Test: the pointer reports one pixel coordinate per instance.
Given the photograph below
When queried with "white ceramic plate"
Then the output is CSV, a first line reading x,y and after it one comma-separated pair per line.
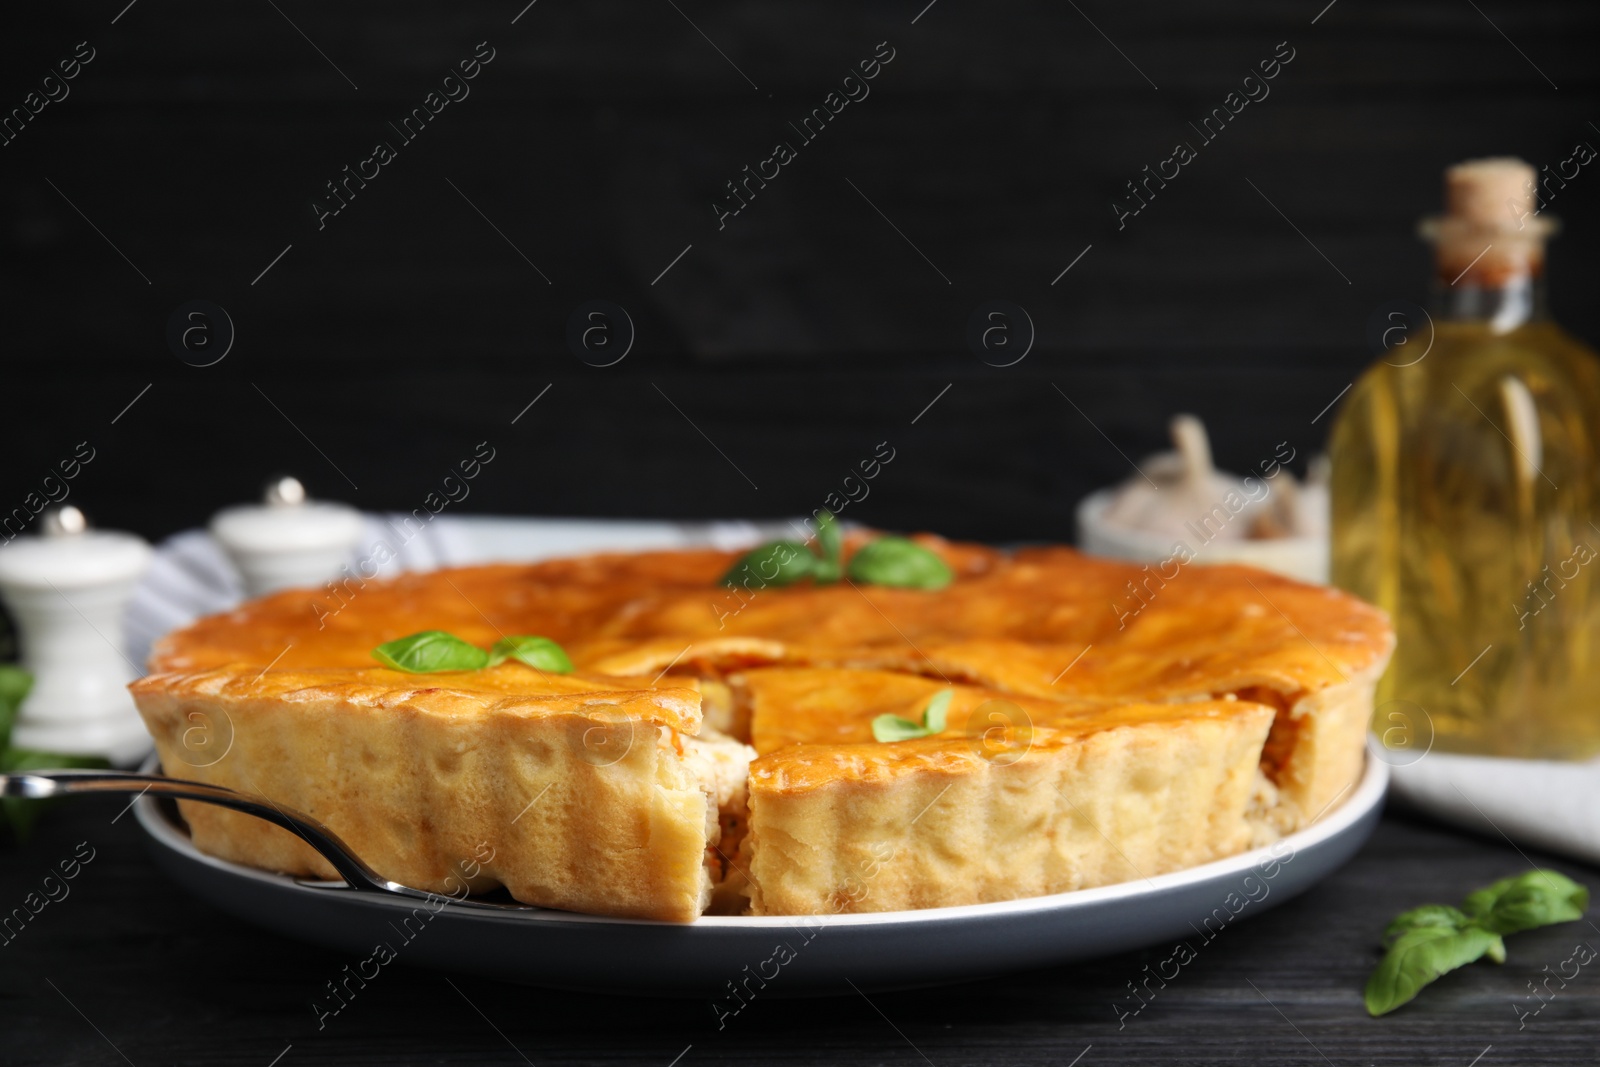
x,y
778,956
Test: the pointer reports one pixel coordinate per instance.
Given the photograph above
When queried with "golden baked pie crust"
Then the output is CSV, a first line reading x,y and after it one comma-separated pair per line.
x,y
1175,721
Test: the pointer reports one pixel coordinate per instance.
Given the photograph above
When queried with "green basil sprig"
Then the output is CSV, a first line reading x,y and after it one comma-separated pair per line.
x,y
890,561
16,812
830,541
1537,898
540,653
1433,940
894,728
774,563
429,652
434,651
900,562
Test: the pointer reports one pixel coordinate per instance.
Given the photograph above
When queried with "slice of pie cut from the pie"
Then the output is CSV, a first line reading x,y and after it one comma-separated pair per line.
x,y
575,792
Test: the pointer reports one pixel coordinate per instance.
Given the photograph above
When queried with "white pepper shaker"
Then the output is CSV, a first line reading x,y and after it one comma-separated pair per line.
x,y
67,589
287,541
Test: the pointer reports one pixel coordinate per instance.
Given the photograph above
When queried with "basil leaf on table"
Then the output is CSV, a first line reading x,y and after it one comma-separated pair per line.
x,y
1427,915
1432,940
22,814
1535,898
431,651
19,813
899,562
1421,955
14,685
540,653
774,563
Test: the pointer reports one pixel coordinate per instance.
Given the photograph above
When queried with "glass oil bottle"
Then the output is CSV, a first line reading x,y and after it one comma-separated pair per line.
x,y
1466,493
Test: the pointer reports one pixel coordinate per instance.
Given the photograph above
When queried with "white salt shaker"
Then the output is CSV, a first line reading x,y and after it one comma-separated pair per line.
x,y
287,541
67,589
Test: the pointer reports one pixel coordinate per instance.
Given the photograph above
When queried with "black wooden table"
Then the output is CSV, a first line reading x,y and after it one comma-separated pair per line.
x,y
127,968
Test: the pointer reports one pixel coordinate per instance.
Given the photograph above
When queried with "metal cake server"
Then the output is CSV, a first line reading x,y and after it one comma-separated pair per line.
x,y
358,877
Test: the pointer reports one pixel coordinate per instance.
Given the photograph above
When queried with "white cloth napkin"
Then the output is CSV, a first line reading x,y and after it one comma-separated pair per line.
x,y
1539,803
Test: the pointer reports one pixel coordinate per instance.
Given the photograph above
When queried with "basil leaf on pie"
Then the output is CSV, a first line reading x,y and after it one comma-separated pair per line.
x,y
774,563
831,541
431,651
934,714
894,728
899,562
540,653
891,561
828,537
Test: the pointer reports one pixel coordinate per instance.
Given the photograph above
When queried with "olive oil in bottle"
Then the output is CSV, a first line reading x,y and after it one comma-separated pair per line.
x,y
1466,493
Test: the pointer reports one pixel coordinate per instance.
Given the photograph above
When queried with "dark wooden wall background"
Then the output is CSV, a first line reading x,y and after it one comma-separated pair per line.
x,y
795,339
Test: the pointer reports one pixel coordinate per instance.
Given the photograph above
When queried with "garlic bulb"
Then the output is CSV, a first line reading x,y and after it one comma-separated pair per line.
x,y
1181,494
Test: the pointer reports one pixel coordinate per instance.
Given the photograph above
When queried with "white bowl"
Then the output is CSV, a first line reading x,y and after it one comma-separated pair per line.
x,y
1303,558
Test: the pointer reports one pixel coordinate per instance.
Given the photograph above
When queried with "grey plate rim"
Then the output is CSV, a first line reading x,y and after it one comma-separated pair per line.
x,y
1368,794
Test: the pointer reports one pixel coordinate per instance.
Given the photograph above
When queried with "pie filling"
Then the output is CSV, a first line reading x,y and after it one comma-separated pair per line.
x,y
721,765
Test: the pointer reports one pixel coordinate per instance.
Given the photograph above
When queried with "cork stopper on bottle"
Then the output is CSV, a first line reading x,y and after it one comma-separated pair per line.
x,y
1491,231
1490,194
